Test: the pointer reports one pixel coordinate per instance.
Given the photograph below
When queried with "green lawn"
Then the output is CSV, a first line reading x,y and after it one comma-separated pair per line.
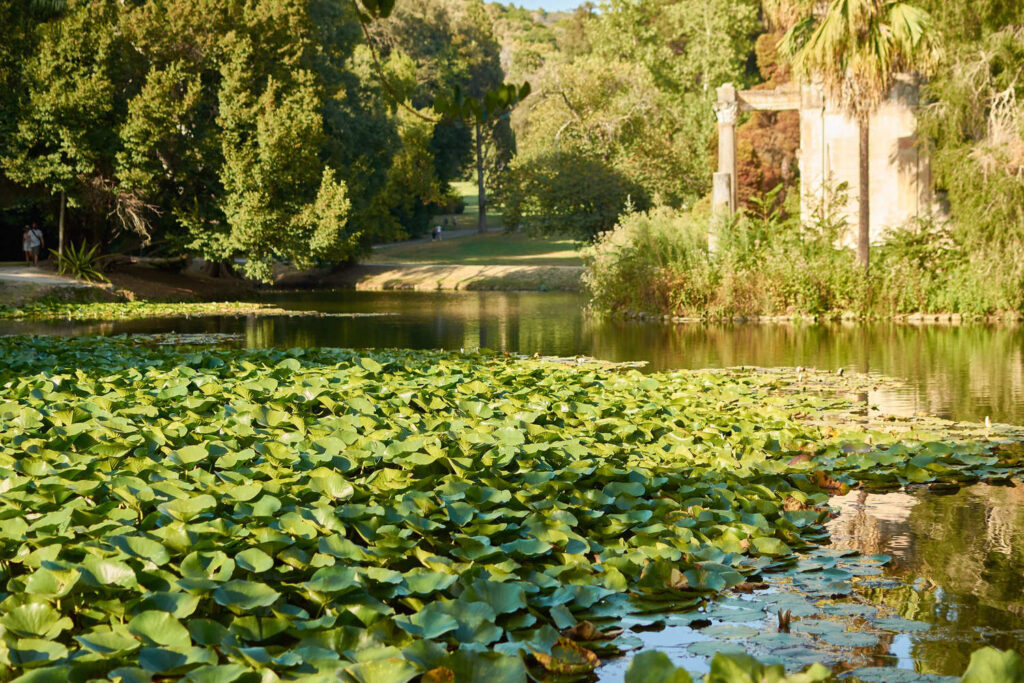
x,y
491,249
468,218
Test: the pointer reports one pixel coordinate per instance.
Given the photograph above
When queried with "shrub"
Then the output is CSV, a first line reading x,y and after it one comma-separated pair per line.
x,y
565,194
81,263
770,264
766,263
652,261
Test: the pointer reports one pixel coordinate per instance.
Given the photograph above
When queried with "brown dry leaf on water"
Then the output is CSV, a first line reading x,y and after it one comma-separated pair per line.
x,y
791,504
750,587
567,658
823,481
586,631
441,674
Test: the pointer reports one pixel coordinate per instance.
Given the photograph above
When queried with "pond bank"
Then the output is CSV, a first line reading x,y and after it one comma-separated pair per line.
x,y
828,317
129,282
454,277
142,282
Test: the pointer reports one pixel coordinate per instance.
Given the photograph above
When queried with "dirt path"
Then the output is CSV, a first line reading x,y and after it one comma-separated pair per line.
x,y
19,284
30,275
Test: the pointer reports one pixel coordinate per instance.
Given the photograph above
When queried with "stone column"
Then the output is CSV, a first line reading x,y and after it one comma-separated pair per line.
x,y
727,109
721,192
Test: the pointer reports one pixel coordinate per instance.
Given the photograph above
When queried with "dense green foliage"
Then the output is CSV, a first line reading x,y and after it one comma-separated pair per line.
x,y
228,514
226,128
769,264
631,89
434,51
268,131
546,195
975,121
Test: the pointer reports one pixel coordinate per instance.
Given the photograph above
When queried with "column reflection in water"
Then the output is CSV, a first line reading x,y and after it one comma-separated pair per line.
x,y
958,560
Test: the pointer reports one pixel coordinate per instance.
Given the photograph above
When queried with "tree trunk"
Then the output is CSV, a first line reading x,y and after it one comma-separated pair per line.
x,y
60,225
481,223
864,217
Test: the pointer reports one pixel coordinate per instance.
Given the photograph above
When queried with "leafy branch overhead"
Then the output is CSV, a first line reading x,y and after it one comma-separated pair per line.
x,y
495,104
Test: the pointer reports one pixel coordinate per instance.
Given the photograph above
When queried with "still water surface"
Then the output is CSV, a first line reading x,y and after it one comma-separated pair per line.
x,y
961,372
957,560
953,584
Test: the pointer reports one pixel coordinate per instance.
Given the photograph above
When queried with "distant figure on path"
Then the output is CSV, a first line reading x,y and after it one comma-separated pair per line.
x,y
32,241
436,233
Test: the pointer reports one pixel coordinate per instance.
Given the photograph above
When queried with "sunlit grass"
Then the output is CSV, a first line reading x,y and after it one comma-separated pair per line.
x,y
494,248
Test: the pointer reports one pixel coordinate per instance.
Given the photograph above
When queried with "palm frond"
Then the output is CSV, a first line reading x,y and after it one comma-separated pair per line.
x,y
47,8
856,49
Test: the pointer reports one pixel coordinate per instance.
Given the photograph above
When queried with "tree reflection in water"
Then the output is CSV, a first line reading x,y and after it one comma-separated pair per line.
x,y
964,372
959,562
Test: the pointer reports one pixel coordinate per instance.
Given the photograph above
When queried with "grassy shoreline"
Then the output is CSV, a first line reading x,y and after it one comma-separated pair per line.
x,y
837,317
127,310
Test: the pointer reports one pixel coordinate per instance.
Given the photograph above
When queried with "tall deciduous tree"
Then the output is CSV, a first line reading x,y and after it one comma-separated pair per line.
x,y
65,134
225,128
632,87
453,44
855,49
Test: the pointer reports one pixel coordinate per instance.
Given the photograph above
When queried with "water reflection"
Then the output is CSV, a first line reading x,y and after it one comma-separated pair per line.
x,y
958,562
967,372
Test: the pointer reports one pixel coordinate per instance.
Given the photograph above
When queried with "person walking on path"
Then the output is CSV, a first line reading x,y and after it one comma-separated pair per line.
x,y
32,241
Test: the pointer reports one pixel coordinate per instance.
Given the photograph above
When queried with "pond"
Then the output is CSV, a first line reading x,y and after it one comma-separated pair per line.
x,y
949,581
935,576
967,372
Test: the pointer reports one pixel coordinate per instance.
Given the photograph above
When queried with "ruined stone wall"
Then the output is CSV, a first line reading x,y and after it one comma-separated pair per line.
x,y
900,177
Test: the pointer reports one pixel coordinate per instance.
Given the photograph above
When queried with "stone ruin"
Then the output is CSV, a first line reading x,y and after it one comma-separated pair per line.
x,y
901,182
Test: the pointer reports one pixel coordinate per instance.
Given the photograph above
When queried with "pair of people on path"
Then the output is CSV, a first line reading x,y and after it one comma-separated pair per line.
x,y
31,242
435,234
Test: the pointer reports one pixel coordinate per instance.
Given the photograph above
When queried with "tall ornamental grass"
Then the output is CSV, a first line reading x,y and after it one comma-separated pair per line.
x,y
769,263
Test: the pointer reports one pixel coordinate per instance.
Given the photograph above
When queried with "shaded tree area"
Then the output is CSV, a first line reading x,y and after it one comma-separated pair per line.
x,y
220,128
445,47
266,130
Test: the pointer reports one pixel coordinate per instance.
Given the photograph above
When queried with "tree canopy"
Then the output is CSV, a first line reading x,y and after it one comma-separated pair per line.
x,y
304,131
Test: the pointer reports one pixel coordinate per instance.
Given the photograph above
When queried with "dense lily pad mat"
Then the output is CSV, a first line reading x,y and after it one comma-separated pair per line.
x,y
228,514
149,309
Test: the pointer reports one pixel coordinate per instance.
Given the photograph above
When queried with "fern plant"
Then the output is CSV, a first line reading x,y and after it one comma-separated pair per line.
x,y
81,263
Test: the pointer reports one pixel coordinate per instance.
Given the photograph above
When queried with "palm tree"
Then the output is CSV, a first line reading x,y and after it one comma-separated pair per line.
x,y
855,49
